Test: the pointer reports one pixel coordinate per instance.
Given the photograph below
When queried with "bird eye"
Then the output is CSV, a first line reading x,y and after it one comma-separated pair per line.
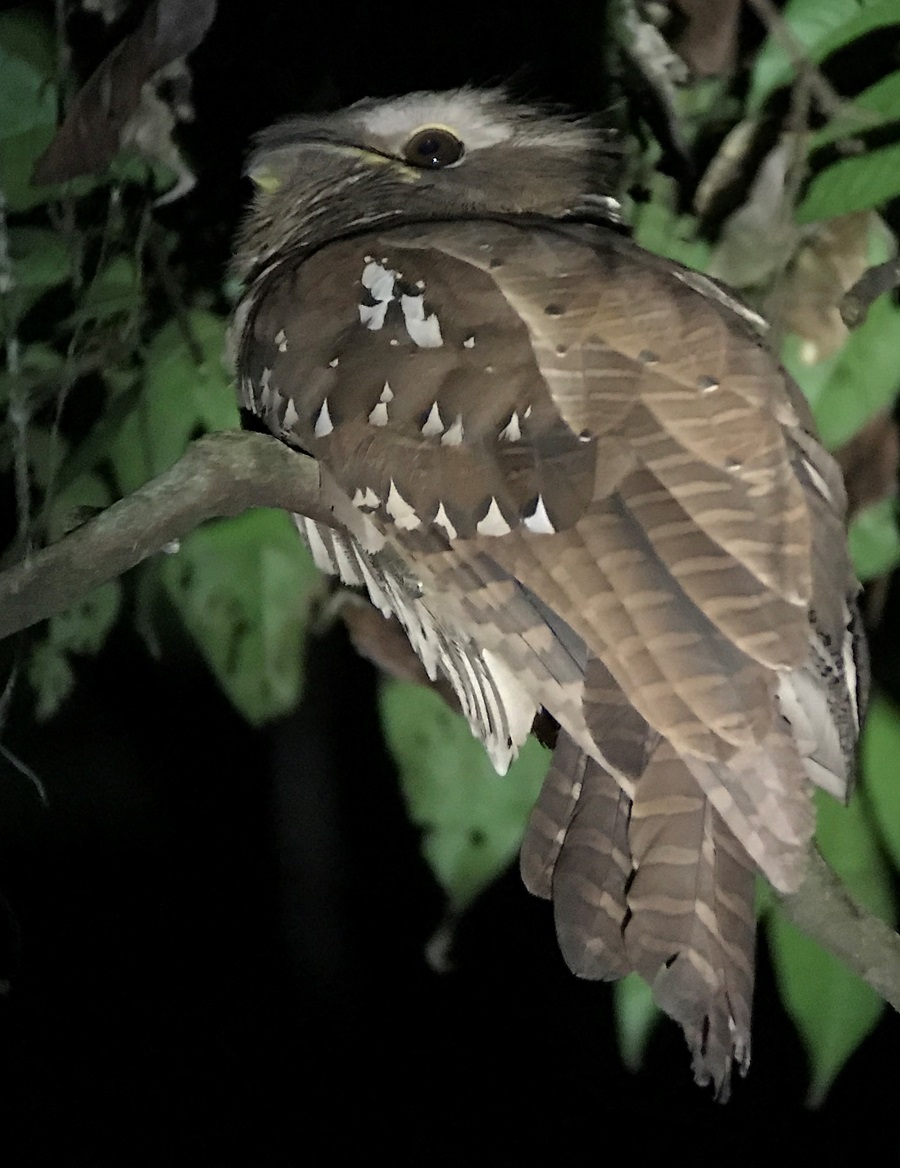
x,y
433,147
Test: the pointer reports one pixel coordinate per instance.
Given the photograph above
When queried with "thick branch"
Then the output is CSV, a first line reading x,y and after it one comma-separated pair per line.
x,y
220,474
226,473
824,910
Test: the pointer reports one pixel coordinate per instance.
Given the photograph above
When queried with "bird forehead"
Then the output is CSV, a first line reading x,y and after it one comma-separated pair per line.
x,y
460,113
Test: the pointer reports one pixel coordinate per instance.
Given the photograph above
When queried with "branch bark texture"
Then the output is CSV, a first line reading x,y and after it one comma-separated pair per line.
x,y
220,474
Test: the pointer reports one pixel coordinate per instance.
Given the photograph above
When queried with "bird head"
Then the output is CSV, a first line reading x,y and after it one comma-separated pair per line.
x,y
424,156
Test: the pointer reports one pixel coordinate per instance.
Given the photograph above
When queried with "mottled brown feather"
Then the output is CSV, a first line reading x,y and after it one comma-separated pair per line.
x,y
579,479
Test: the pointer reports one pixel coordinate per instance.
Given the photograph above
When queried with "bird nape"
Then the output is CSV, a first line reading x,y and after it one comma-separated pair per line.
x,y
577,476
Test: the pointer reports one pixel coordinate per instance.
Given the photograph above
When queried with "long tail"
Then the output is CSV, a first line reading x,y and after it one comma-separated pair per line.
x,y
659,886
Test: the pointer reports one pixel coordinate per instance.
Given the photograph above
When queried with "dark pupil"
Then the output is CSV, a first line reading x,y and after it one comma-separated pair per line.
x,y
432,148
429,148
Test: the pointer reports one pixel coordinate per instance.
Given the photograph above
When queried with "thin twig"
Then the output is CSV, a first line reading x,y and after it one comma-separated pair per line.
x,y
856,302
830,101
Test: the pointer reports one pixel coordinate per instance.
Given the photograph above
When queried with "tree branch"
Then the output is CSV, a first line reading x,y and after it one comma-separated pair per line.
x,y
824,910
220,474
228,472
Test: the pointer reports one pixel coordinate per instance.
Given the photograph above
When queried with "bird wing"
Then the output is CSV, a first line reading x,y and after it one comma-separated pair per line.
x,y
581,452
576,475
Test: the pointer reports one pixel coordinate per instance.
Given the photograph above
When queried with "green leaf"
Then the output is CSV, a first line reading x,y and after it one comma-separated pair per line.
x,y
244,587
27,104
18,154
40,366
845,391
115,290
40,258
821,27
636,1015
472,819
832,1009
875,106
853,184
84,627
875,540
880,765
660,229
50,676
180,399
27,65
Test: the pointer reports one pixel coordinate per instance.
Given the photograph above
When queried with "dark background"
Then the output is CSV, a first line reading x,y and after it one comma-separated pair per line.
x,y
214,936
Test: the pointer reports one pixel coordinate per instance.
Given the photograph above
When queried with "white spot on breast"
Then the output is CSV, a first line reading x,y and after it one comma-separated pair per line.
x,y
455,434
366,500
281,341
493,523
379,280
443,520
434,423
372,315
512,432
379,415
291,417
324,424
333,364
387,394
469,343
402,513
527,413
539,520
424,330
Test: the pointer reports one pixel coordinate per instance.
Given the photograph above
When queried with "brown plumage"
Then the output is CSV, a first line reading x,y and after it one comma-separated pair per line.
x,y
580,480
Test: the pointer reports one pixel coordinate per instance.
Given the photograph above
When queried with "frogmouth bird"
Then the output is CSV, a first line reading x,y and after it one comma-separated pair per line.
x,y
581,481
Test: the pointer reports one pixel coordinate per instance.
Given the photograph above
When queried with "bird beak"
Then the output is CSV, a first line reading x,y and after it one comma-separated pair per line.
x,y
268,175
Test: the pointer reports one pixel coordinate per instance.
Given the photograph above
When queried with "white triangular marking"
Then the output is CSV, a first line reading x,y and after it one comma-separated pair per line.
x,y
324,425
443,520
493,523
403,514
455,434
434,423
539,521
512,431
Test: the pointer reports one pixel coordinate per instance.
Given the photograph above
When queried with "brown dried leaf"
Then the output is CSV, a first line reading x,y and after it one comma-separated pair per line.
x,y
827,264
728,166
91,134
757,237
869,463
709,41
